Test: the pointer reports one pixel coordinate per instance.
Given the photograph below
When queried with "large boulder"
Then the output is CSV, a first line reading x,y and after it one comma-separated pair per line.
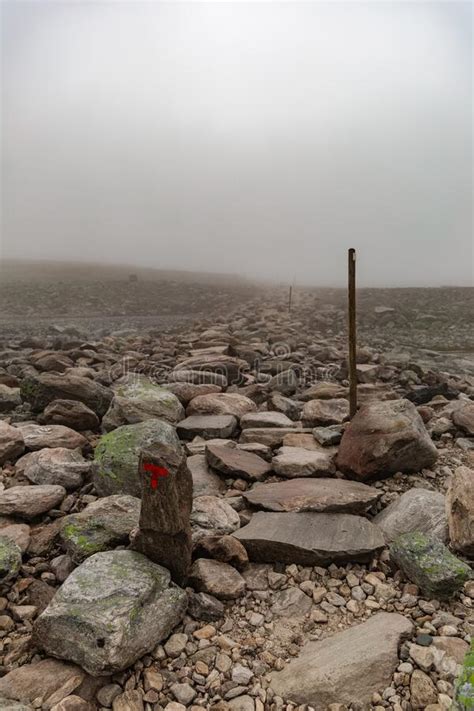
x,y
138,399
221,404
415,510
427,562
460,508
57,465
384,438
12,444
112,609
187,391
346,668
102,525
40,390
324,495
116,457
309,538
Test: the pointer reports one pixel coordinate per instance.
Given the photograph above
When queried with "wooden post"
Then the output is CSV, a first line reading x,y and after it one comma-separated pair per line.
x,y
352,333
164,533
289,298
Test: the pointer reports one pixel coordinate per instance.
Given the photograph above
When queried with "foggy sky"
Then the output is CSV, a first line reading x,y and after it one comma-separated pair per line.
x,y
262,138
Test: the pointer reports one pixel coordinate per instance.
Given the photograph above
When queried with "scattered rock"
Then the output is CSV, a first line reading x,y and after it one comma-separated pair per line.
x,y
211,515
10,558
207,426
102,525
138,399
39,436
40,390
11,443
217,579
460,508
70,413
325,412
293,462
236,463
61,466
30,501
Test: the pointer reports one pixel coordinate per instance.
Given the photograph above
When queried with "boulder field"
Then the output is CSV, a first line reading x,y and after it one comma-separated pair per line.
x,y
307,562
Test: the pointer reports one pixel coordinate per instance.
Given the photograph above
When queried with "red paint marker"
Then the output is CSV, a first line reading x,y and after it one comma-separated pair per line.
x,y
155,472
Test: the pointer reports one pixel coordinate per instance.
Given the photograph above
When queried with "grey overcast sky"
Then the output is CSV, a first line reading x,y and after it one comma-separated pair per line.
x,y
261,138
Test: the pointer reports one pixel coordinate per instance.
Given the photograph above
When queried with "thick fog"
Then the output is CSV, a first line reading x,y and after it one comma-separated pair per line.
x,y
260,138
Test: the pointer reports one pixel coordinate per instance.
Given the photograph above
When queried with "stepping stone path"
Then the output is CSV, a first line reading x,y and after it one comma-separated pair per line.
x,y
309,538
324,495
304,587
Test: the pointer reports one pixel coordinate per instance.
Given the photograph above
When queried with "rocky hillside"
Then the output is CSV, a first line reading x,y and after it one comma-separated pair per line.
x,y
330,561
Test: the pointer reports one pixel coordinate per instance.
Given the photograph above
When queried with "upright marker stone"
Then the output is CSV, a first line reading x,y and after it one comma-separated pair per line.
x,y
164,533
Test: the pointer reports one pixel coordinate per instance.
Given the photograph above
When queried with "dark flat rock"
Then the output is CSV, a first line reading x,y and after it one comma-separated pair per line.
x,y
237,463
309,538
306,494
207,426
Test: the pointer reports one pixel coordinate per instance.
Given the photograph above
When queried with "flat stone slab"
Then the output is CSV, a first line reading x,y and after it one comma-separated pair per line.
x,y
207,426
265,419
323,495
236,463
270,436
347,667
292,462
309,538
205,481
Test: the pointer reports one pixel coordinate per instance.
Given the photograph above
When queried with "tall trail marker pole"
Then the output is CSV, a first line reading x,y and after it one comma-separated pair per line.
x,y
352,332
289,298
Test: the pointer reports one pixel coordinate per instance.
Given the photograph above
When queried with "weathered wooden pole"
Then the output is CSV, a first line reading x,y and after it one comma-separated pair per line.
x,y
352,332
289,298
164,533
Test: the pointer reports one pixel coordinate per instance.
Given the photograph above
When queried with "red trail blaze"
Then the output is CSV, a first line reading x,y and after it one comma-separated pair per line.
x,y
156,472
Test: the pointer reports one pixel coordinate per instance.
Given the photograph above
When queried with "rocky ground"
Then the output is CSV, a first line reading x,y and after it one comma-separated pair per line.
x,y
331,562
